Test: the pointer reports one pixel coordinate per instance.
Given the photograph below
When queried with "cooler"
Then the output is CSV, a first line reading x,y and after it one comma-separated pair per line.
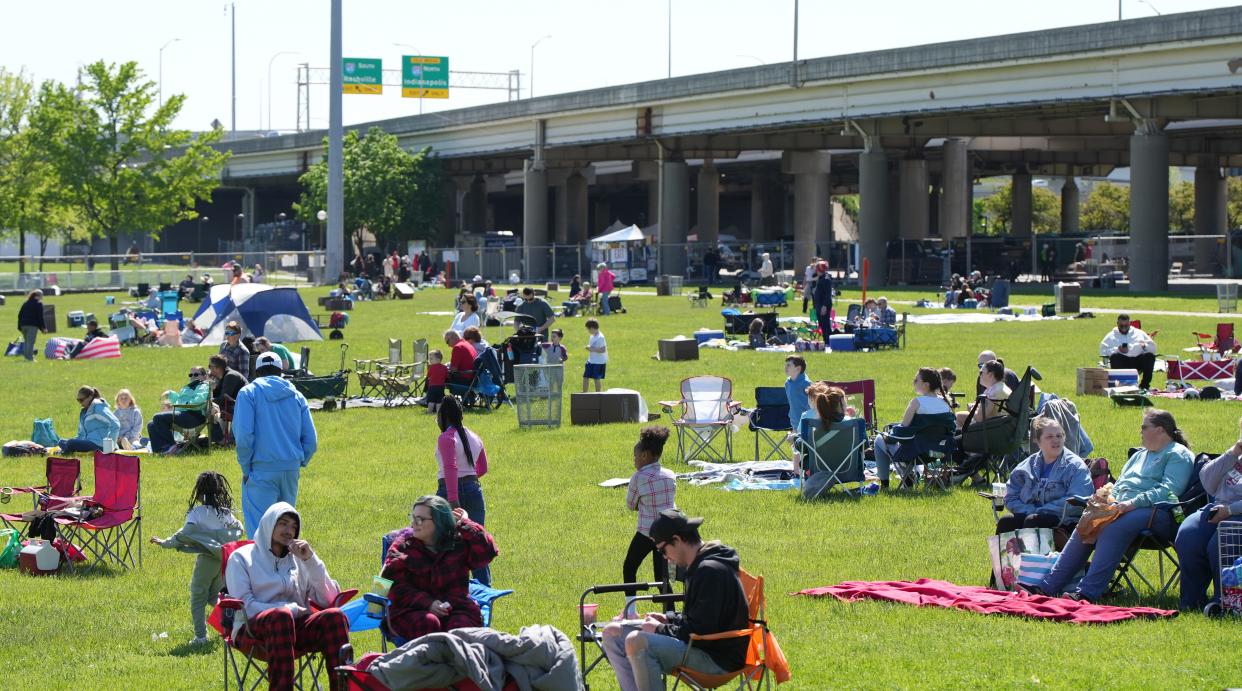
x,y
702,337
1123,377
39,558
841,343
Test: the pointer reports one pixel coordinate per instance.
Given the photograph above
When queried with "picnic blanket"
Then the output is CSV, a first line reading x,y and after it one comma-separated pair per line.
x,y
746,471
59,348
927,591
974,318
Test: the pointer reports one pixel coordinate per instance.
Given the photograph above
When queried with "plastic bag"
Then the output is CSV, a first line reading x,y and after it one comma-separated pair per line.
x,y
10,548
44,433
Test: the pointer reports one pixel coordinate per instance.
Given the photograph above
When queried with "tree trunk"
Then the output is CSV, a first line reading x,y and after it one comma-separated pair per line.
x,y
114,250
21,250
42,251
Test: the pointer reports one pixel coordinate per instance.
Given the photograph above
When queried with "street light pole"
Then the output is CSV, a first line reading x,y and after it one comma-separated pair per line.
x,y
161,72
793,68
269,82
531,87
233,33
670,39
335,251
419,54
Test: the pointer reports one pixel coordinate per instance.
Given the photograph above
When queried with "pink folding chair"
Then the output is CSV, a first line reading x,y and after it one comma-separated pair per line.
x,y
1181,371
64,479
111,534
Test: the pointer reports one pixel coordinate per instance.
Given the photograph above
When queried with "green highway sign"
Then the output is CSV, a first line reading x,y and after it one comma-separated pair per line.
x,y
363,76
424,76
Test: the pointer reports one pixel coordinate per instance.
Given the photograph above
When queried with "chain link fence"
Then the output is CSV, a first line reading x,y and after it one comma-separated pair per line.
x,y
94,273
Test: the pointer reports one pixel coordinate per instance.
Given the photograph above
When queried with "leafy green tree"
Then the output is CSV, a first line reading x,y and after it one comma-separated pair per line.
x,y
849,203
1181,207
119,165
1106,208
389,192
1234,195
1045,211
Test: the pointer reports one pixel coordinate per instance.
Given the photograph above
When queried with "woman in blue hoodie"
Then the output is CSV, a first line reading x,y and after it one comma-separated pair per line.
x,y
1039,487
95,423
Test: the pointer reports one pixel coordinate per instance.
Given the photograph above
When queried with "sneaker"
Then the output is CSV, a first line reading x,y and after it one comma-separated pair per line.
x,y
172,450
1078,596
958,478
200,640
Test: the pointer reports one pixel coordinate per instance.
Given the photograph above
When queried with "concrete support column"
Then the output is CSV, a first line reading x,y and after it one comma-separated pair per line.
x,y
603,217
1211,216
535,220
1149,210
474,216
933,208
1020,207
811,209
571,209
955,198
653,201
708,220
759,206
1069,206
913,216
674,215
448,215
873,212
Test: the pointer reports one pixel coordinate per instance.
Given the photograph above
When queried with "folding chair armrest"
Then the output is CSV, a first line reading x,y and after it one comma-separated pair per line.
x,y
722,636
344,596
377,599
622,587
988,495
230,603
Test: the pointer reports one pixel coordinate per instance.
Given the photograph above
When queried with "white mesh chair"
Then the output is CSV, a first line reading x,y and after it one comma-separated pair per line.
x,y
703,419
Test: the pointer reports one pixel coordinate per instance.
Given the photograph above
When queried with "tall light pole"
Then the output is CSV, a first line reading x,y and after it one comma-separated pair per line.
x,y
419,54
233,41
335,251
670,39
531,88
793,66
269,82
198,242
161,72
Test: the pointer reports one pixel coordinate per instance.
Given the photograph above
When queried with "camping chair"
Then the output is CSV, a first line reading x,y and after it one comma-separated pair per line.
x,y
112,535
705,414
486,389
591,632
1189,501
421,349
362,619
833,457
769,420
369,383
192,436
1223,343
1182,371
762,655
222,621
64,479
924,454
997,443
866,389
700,298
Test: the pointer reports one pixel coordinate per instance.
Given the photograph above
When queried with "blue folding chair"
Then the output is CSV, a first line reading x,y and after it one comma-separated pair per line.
x,y
361,618
769,420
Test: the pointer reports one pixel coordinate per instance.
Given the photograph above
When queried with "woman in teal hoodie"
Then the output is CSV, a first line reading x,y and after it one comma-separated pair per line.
x,y
1156,473
95,423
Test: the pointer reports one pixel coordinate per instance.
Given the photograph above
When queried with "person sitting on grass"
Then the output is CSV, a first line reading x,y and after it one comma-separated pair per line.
x,y
948,379
756,338
95,424
1129,347
928,408
429,564
1158,472
129,417
642,653
1198,542
1038,488
209,525
277,577
652,489
597,358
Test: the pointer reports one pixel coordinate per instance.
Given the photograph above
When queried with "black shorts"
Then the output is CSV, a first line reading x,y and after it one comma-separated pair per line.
x,y
435,394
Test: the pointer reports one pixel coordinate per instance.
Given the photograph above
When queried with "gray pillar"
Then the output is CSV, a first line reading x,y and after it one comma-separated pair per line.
x,y
1149,210
1020,209
1211,217
708,220
535,221
560,213
1069,206
653,201
674,216
913,217
603,217
933,208
448,214
759,206
873,212
955,198
475,211
810,201
576,207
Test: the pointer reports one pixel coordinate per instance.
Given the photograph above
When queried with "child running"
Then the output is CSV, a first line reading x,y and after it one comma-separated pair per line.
x,y
437,377
129,415
209,525
652,489
597,361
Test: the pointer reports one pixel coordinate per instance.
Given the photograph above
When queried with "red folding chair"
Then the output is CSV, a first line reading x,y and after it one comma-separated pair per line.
x,y
866,389
64,479
111,535
1224,343
221,620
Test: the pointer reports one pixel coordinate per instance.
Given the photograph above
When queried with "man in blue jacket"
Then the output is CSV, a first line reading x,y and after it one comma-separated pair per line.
x,y
275,439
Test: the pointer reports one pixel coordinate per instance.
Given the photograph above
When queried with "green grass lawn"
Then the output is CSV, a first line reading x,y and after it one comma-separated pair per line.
x,y
558,532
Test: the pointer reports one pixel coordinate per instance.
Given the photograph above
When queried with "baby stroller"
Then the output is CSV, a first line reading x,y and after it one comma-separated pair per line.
x,y
522,348
486,389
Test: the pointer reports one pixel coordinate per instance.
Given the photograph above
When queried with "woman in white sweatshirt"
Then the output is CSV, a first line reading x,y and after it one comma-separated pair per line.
x,y
277,578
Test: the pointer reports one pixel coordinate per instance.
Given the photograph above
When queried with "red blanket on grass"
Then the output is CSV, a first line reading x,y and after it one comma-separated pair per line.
x,y
926,591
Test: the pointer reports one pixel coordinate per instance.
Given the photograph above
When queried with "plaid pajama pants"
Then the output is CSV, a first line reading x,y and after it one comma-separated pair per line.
x,y
285,639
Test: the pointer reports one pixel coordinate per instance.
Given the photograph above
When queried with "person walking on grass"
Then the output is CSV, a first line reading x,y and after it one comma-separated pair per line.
x,y
652,489
604,283
597,359
275,439
30,322
209,525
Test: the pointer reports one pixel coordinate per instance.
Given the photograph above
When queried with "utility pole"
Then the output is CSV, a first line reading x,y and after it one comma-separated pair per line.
x,y
334,254
233,19
793,68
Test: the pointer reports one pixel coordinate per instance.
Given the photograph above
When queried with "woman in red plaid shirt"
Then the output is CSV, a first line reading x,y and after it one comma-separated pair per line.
x,y
652,489
429,565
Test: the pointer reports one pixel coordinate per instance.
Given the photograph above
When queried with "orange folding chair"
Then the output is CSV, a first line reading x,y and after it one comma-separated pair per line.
x,y
763,654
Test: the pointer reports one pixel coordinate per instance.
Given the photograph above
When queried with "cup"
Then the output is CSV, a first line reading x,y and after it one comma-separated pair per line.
x,y
588,613
998,495
379,586
108,445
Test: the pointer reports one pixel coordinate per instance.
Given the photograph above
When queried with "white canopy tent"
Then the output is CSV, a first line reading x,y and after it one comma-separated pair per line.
x,y
631,233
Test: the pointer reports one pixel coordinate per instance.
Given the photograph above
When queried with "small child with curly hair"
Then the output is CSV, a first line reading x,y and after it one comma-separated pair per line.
x,y
652,489
209,525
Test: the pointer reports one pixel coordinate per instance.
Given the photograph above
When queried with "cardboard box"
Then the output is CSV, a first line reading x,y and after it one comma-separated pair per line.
x,y
1092,381
338,304
679,349
599,408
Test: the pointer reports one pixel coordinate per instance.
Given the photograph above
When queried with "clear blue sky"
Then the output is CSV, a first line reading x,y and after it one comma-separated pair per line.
x,y
593,42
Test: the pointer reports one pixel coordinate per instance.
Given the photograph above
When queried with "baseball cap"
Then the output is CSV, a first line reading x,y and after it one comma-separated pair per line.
x,y
268,359
671,522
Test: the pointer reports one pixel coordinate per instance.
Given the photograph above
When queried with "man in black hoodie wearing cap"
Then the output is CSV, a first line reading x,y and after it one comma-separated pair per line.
x,y
642,653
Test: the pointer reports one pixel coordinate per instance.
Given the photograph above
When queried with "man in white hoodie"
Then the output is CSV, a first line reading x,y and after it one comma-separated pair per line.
x,y
276,578
1129,347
